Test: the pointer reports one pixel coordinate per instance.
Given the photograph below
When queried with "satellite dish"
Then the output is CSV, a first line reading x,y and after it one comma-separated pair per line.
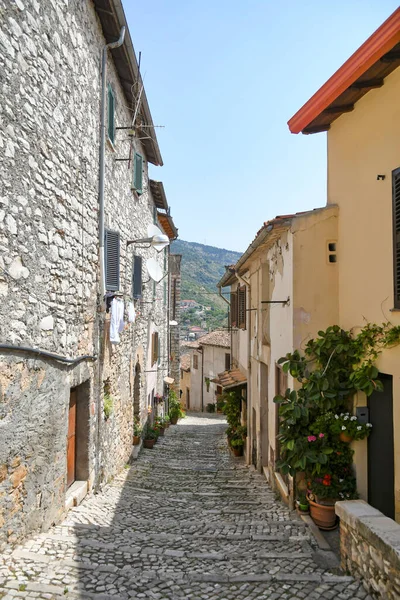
x,y
154,270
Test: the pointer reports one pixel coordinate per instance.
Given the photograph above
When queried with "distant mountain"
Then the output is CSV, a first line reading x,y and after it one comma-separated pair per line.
x,y
202,267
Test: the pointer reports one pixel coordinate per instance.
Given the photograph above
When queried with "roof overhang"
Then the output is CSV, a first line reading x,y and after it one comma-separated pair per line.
x,y
168,225
230,379
228,278
158,193
365,70
112,18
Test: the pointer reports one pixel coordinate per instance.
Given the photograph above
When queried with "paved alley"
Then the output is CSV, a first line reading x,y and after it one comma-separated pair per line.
x,y
187,520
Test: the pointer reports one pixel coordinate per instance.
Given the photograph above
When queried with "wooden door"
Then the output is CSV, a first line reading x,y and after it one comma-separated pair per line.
x,y
381,449
187,398
71,439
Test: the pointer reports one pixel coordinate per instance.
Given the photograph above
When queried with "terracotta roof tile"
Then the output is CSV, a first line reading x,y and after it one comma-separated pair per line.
x,y
216,338
230,379
185,362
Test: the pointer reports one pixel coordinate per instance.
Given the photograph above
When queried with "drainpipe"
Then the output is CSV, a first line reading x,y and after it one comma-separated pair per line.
x,y
101,219
102,154
229,325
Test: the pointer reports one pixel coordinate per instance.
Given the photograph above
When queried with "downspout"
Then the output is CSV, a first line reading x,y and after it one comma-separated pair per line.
x,y
229,319
202,379
101,220
102,154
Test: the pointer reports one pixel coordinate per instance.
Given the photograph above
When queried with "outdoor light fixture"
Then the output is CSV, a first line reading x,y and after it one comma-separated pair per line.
x,y
156,239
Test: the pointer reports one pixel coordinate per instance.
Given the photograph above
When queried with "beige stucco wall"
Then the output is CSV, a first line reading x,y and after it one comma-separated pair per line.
x,y
315,279
361,145
185,385
214,363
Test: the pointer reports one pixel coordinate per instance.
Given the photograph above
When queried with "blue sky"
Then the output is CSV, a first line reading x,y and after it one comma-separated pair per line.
x,y
224,77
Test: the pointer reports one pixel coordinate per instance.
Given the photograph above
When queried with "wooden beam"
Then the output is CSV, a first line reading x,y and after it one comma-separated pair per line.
x,y
391,56
337,110
316,129
367,84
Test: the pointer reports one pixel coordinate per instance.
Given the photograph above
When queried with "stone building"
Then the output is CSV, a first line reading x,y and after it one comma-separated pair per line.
x,y
68,394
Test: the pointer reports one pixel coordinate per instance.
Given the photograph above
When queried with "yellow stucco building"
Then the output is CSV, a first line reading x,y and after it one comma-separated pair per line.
x,y
360,110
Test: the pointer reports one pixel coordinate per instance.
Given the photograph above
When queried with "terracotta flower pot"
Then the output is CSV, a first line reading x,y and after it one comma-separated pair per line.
x,y
323,515
136,440
161,430
238,451
173,420
149,443
343,437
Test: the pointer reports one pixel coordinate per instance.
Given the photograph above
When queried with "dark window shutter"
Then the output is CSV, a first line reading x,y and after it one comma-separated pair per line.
x,y
154,348
138,173
111,251
137,278
195,361
242,307
234,309
111,115
227,362
396,235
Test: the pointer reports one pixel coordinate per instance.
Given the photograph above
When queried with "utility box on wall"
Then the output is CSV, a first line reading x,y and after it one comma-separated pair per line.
x,y
362,414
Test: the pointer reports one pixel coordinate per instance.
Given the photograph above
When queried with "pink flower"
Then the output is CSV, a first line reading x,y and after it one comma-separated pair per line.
x,y
312,438
321,435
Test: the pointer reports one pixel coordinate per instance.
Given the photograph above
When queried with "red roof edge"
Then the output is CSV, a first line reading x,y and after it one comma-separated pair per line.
x,y
380,42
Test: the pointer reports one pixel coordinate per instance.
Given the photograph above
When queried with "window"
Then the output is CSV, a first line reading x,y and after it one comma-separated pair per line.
x,y
154,348
137,183
396,235
111,257
137,278
332,258
195,361
227,362
242,307
111,115
233,309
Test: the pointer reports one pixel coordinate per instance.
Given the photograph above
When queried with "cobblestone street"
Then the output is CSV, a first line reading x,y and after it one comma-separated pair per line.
x,y
187,520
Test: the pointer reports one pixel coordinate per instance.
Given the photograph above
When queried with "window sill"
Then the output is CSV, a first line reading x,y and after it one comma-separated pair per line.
x,y
394,310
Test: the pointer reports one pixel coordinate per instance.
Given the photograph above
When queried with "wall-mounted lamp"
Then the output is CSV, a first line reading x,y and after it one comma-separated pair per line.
x,y
381,177
156,239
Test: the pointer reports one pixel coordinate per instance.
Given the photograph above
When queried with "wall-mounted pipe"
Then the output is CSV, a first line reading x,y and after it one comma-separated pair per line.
x,y
102,154
45,354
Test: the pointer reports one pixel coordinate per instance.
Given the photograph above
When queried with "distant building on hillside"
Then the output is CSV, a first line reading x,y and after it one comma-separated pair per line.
x,y
186,304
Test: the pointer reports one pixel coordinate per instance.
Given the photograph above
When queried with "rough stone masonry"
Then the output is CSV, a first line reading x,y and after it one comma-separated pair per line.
x,y
50,61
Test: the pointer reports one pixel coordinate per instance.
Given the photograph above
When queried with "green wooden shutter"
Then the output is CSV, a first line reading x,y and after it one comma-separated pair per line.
x,y
111,250
137,278
138,173
111,115
396,235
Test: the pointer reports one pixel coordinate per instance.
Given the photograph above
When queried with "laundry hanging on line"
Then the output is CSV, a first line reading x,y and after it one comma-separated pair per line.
x,y
117,320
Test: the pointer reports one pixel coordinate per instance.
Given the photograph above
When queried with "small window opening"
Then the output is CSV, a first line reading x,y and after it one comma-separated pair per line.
x,y
332,258
332,247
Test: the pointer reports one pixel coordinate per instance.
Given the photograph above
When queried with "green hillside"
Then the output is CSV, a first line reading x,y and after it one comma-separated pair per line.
x,y
202,267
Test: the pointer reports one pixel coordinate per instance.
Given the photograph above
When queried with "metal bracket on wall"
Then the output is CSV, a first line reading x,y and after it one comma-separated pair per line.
x,y
287,301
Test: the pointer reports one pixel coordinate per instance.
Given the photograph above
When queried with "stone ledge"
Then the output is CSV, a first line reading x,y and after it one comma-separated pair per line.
x,y
377,530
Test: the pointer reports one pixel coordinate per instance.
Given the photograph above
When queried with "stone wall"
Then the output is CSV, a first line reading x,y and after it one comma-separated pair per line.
x,y
50,55
369,547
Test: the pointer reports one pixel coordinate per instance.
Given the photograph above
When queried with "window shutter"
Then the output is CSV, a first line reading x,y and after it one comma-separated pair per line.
x,y
396,235
195,361
242,307
137,278
154,348
227,362
233,309
111,115
138,173
111,250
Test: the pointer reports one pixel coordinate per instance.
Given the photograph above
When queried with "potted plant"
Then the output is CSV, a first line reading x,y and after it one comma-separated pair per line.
x,y
166,421
175,409
159,425
237,440
210,408
150,437
348,427
137,431
302,504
